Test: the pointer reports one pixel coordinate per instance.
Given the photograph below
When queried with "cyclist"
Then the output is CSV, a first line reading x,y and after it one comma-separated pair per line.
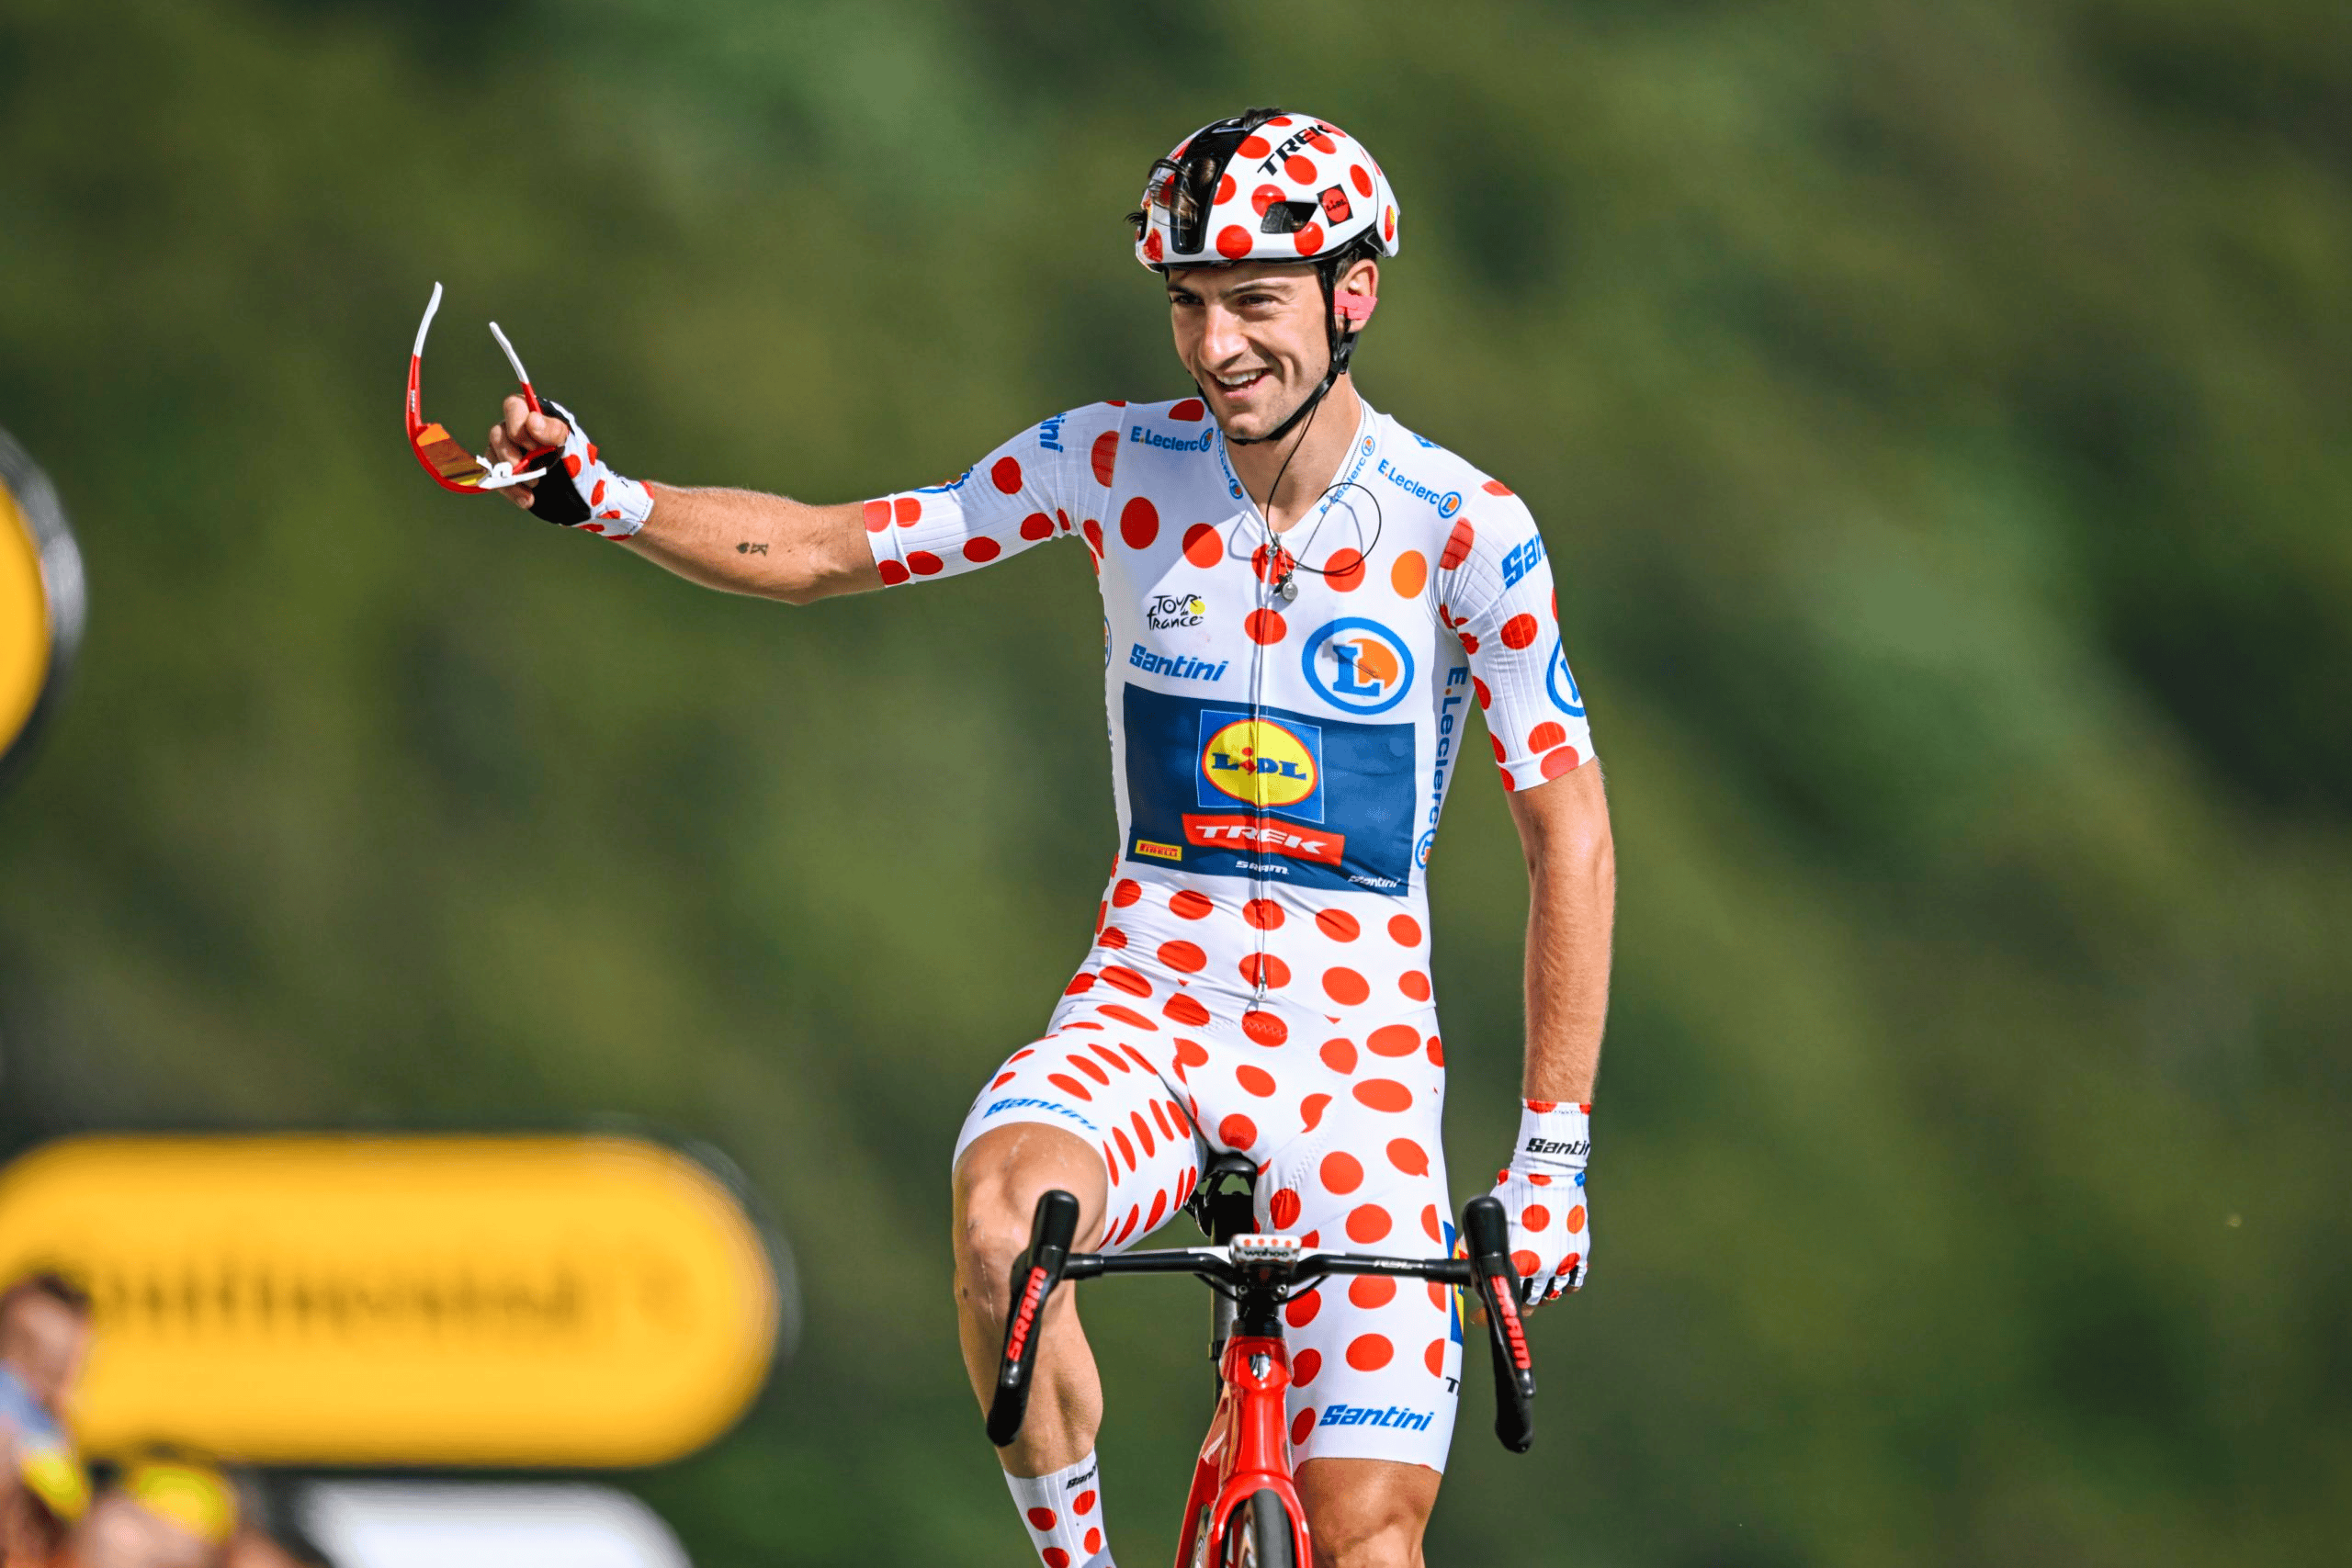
x,y
1301,601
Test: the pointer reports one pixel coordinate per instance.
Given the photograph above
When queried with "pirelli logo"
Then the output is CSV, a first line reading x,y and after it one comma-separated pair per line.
x,y
1159,851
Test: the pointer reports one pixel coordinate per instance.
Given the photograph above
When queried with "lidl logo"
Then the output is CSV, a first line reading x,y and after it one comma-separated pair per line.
x,y
1562,684
1261,764
1359,665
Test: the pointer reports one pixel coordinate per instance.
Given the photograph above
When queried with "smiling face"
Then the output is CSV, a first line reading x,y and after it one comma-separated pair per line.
x,y
1253,336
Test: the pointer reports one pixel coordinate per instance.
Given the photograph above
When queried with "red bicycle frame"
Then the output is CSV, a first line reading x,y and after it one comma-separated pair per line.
x,y
1246,1450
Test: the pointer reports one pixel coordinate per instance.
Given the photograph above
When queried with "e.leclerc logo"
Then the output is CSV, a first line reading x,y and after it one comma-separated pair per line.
x,y
1359,665
1562,684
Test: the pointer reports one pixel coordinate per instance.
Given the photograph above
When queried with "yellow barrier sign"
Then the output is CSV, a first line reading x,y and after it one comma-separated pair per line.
x,y
427,1301
40,596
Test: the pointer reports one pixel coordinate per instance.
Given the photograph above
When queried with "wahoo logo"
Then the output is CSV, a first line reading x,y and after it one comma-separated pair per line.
x,y
1561,682
1261,762
1359,665
1394,1415
1179,667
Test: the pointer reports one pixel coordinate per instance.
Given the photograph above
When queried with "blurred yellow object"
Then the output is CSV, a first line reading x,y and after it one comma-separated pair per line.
x,y
196,1497
523,1300
25,632
55,1476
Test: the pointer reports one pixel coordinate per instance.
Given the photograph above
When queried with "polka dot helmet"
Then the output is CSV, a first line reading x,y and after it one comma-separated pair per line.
x,y
1264,186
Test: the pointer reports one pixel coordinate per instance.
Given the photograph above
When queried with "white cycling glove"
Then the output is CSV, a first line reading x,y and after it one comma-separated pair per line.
x,y
579,491
1542,1194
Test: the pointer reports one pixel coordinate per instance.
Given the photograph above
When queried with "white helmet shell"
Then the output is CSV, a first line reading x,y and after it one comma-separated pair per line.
x,y
1288,187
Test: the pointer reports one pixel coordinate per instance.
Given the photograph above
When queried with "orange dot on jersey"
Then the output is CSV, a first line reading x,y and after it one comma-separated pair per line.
x,y
1139,523
1370,1352
1300,1311
1079,984
1190,1052
878,516
1125,891
892,573
1367,1223
1093,1541
1534,1217
1545,736
1070,1085
1403,931
1437,1051
1562,760
1496,487
1338,925
1341,1172
1265,970
1264,626
907,508
1082,1504
1093,532
1127,1016
1111,937
1184,1010
1310,1110
1414,984
1468,640
1308,239
1346,986
1303,1368
1409,1156
1041,1519
1526,1263
1005,474
1202,545
1383,1094
1237,1132
1361,180
1127,980
1458,545
1265,1028
1368,1291
1188,905
1263,913
1576,1219
983,549
1188,409
1183,955
1255,1080
1434,1357
1300,170
1520,631
1283,1209
1105,456
1233,240
1251,148
1395,1040
922,563
1409,574
1300,1424
1496,743
1340,1055
1344,570
1429,1224
1486,698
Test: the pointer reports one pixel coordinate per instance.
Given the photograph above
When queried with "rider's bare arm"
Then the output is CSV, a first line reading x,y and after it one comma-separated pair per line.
x,y
740,541
1572,901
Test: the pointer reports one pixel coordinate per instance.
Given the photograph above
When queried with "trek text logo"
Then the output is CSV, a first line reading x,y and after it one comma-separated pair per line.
x,y
1176,667
1365,1415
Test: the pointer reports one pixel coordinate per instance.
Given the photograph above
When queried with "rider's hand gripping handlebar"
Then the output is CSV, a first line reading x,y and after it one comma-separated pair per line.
x,y
1486,1230
1039,1269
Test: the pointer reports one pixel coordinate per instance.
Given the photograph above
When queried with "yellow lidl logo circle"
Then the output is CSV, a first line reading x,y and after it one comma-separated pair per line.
x,y
1259,763
25,635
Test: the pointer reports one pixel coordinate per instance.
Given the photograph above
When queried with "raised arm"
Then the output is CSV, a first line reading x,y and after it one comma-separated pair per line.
x,y
738,541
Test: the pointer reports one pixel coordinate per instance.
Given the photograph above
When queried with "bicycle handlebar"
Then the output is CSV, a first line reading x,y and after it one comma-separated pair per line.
x,y
1049,1262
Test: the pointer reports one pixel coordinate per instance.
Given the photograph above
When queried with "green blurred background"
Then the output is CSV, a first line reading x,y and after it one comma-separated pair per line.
x,y
1937,414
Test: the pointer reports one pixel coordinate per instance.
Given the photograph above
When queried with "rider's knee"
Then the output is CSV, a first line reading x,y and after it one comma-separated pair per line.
x,y
1367,1525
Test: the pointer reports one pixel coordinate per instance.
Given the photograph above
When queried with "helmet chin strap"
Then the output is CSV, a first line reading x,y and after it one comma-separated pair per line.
x,y
1357,309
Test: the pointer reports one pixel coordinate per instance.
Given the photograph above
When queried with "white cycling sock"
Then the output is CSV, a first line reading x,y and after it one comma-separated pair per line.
x,y
1063,1513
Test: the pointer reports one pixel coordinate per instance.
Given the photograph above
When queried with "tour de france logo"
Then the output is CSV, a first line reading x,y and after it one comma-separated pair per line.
x,y
1263,764
1360,665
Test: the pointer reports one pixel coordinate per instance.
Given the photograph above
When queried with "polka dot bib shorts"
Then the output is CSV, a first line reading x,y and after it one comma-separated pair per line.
x,y
1260,976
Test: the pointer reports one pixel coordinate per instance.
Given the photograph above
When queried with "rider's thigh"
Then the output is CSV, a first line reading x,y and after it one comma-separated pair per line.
x,y
1366,1513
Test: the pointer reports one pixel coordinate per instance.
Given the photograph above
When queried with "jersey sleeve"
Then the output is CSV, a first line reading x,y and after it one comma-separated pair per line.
x,y
1498,597
1025,492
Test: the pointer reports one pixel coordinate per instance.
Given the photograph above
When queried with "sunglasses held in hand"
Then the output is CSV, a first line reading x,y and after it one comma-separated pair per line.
x,y
452,466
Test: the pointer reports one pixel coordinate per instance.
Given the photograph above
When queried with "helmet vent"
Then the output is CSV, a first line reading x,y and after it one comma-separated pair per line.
x,y
1286,217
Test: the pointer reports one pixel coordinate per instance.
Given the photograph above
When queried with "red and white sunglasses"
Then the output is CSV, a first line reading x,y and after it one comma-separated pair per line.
x,y
452,466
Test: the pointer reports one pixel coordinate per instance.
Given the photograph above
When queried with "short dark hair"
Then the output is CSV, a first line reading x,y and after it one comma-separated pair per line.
x,y
50,1283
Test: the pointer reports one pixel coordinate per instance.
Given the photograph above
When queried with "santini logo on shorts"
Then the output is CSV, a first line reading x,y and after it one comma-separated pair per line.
x,y
1364,1416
